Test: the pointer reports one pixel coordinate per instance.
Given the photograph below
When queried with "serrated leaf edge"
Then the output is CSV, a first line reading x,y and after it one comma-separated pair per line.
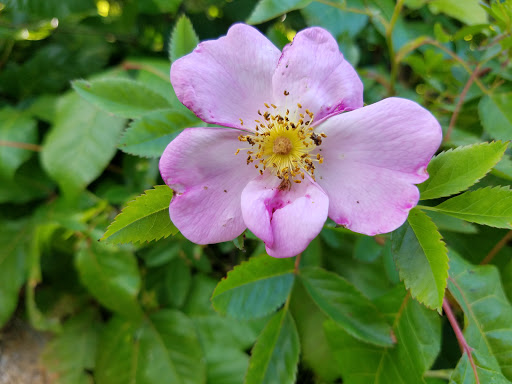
x,y
498,187
458,149
146,193
171,38
447,263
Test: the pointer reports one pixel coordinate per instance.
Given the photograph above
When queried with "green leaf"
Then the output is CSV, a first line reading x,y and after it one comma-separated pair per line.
x,y
183,39
170,282
275,355
335,20
456,170
421,257
144,219
15,127
487,206
227,367
450,223
40,238
504,168
73,351
347,306
468,11
367,249
30,182
495,111
111,276
15,240
254,288
488,313
121,97
80,144
268,9
315,351
155,7
149,135
164,347
485,367
418,341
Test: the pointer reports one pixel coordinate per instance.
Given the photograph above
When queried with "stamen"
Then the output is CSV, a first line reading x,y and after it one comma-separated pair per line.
x,y
284,145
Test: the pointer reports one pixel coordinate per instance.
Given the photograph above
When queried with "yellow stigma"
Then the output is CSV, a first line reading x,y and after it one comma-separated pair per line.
x,y
283,142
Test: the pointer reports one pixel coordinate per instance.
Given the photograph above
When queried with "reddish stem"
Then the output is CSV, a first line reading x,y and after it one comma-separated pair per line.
x,y
464,347
141,67
297,263
493,252
458,107
14,144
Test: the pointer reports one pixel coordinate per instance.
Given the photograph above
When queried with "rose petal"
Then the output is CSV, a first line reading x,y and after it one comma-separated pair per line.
x,y
200,165
225,80
314,73
372,158
286,220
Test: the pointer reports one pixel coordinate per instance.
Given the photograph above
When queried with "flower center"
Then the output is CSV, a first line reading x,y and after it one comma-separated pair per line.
x,y
284,144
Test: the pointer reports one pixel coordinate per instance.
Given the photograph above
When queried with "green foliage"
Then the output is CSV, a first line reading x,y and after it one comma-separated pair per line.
x,y
315,350
51,8
165,344
345,305
421,257
418,340
488,315
488,206
80,145
183,39
144,219
111,276
121,97
87,108
268,9
15,240
469,12
456,170
149,135
254,288
496,113
72,352
16,127
275,356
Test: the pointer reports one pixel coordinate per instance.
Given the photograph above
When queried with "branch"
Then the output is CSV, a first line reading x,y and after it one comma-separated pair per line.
x,y
127,65
389,40
14,144
465,348
458,107
493,252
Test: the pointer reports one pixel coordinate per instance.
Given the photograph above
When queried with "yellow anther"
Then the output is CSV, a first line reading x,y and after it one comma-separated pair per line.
x,y
283,145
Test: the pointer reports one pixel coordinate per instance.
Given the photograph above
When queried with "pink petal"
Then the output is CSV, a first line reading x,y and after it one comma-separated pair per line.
x,y
227,79
200,165
286,220
373,156
314,73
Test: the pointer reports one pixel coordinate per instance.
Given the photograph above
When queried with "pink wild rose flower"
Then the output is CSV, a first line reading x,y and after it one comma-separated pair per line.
x,y
299,145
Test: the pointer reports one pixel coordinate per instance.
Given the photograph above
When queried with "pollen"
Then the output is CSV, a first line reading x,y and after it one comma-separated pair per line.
x,y
285,144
